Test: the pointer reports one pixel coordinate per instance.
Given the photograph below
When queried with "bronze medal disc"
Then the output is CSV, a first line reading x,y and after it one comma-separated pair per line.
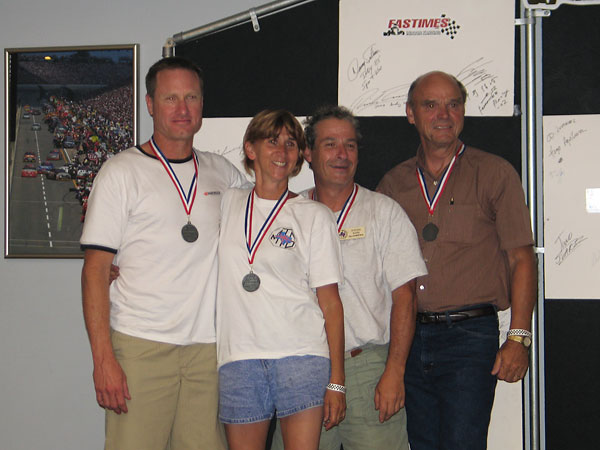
x,y
430,232
189,233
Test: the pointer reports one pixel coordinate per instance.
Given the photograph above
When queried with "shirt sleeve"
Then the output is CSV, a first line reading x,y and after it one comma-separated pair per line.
x,y
325,264
106,211
237,179
513,224
399,245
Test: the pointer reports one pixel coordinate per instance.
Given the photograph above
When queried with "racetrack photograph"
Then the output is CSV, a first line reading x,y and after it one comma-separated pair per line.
x,y
68,111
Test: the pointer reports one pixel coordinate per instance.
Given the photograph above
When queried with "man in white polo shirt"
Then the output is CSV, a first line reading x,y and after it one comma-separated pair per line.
x,y
381,259
154,212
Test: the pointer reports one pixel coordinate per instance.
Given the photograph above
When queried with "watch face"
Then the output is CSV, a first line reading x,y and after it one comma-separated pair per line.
x,y
523,340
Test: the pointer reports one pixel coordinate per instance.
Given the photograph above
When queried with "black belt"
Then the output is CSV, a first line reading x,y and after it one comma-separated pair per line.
x,y
455,316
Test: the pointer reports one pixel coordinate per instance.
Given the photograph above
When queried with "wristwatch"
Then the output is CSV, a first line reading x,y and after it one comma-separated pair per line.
x,y
525,340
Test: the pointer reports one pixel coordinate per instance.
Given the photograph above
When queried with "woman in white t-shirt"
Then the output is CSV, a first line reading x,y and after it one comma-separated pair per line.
x,y
280,329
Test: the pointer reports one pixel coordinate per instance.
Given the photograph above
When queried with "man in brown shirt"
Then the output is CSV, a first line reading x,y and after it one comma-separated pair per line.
x,y
469,211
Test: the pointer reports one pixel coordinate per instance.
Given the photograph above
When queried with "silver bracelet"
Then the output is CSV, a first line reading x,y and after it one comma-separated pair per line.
x,y
337,388
519,332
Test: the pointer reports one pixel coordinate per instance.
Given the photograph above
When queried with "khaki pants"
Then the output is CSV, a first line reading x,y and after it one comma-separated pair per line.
x,y
174,397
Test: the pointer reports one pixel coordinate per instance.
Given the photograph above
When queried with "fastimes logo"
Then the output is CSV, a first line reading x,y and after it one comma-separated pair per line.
x,y
423,27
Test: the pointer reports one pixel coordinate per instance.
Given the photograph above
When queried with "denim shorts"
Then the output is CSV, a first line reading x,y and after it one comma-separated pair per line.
x,y
252,390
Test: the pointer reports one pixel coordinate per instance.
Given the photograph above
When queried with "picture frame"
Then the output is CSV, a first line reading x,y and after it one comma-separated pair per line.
x,y
67,110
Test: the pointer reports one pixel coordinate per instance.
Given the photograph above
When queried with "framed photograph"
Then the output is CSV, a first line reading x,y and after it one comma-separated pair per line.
x,y
68,109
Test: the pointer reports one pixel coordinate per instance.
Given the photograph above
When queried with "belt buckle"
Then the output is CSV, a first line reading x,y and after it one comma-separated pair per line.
x,y
352,353
357,351
430,317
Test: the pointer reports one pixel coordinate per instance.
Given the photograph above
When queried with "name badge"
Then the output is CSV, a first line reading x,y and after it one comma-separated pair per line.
x,y
352,233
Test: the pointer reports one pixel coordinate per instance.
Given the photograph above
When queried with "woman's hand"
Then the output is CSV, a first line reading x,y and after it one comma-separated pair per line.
x,y
334,408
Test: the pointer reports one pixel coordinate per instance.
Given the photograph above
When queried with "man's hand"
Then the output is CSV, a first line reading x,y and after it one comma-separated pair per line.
x,y
511,363
389,395
334,408
512,359
110,381
114,273
389,392
111,386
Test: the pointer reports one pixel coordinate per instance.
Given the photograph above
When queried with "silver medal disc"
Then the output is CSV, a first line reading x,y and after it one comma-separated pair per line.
x,y
251,282
189,232
430,232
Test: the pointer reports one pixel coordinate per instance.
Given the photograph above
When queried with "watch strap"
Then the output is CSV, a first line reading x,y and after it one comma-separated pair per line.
x,y
519,332
524,340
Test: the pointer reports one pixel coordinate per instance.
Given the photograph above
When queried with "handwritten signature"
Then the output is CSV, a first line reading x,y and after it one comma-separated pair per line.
x,y
567,140
568,245
555,151
491,95
366,67
482,85
480,82
556,148
552,134
394,97
475,73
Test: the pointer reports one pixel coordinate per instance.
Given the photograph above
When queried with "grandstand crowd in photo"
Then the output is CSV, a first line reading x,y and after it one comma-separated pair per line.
x,y
87,103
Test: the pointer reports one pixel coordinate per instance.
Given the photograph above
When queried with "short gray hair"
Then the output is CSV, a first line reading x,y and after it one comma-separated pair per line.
x,y
328,112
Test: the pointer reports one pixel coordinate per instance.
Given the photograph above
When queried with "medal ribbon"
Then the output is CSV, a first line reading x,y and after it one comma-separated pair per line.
x,y
253,246
432,202
187,200
345,210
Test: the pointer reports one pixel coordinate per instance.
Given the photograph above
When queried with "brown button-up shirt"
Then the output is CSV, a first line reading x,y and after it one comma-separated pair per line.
x,y
480,215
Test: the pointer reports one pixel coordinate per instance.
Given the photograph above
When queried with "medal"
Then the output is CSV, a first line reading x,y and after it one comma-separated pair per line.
x,y
251,281
189,232
431,230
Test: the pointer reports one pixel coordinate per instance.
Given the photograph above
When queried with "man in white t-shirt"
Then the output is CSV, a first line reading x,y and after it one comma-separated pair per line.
x,y
381,258
154,212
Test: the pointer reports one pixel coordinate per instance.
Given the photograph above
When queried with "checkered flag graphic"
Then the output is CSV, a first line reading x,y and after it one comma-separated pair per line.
x,y
452,29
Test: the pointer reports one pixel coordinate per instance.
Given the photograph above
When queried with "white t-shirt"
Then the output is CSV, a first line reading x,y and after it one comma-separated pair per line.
x,y
381,253
166,290
299,253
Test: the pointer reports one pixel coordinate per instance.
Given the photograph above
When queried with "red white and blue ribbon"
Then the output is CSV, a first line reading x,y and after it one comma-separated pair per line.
x,y
432,202
346,209
341,218
186,199
253,246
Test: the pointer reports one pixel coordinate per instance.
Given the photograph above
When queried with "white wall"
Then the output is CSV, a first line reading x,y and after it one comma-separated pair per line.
x,y
46,391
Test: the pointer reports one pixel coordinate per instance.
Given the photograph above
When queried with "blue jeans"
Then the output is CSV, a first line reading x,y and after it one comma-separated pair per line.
x,y
449,387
